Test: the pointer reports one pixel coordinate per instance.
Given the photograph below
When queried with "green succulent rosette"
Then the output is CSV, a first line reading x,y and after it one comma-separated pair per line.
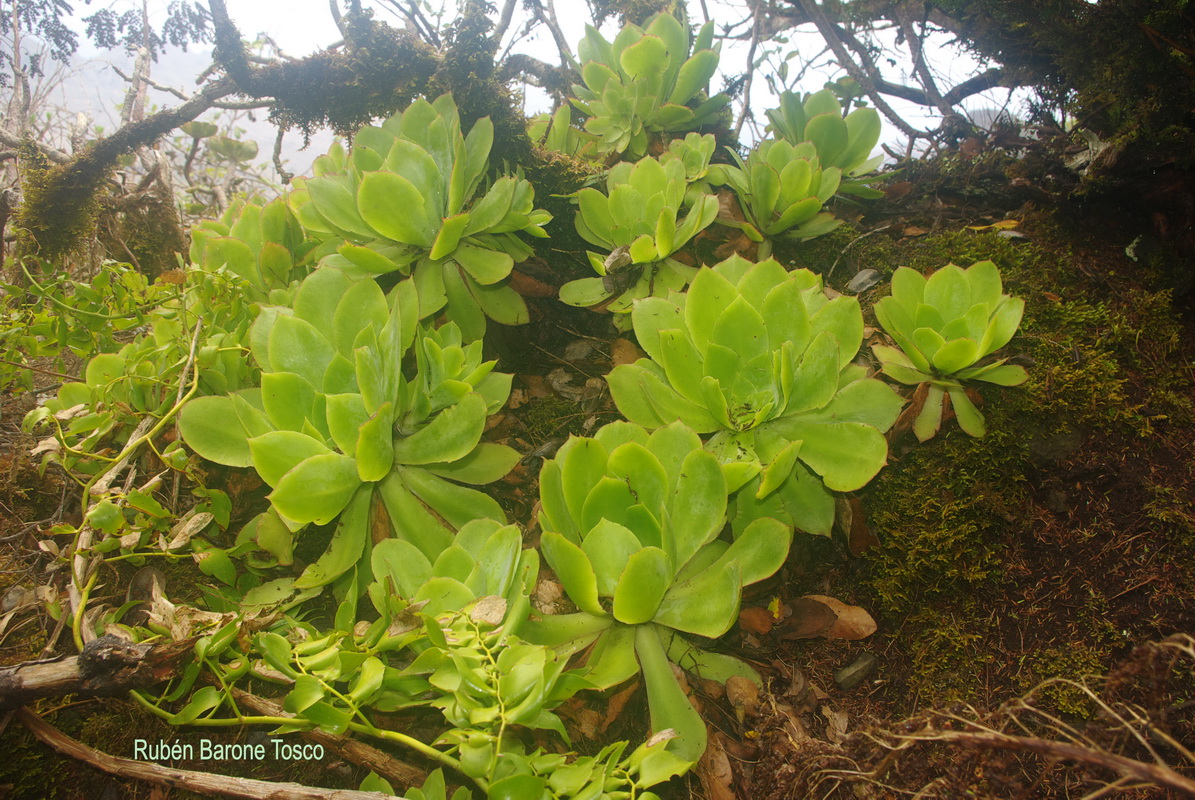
x,y
944,327
842,142
638,220
647,82
556,132
762,359
781,189
336,421
262,244
630,524
408,198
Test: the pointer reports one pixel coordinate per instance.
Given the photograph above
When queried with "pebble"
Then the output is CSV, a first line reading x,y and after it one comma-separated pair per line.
x,y
16,597
864,279
859,670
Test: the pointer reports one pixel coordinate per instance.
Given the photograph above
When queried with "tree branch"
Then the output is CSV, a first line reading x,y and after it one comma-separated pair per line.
x,y
864,76
548,18
550,78
508,10
107,666
9,139
1155,773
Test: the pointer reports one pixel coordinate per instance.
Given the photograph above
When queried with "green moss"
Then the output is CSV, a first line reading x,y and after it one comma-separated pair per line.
x,y
948,653
59,206
958,517
1062,669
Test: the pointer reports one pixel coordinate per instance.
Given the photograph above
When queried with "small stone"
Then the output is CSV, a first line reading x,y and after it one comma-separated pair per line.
x,y
577,350
859,670
16,597
864,279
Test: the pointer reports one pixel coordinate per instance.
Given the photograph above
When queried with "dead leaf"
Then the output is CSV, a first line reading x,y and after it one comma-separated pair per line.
x,y
187,527
859,537
895,191
756,620
577,350
624,351
585,720
537,386
616,704
715,773
1002,225
904,423
1052,297
48,445
489,609
561,381
530,287
70,413
970,147
836,723
809,618
853,622
517,398
729,208
743,695
913,230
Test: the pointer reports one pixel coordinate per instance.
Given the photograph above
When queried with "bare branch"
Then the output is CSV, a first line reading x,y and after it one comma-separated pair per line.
x,y
150,82
916,43
550,78
508,10
862,75
57,156
548,18
1159,774
107,666
755,32
334,7
282,171
358,752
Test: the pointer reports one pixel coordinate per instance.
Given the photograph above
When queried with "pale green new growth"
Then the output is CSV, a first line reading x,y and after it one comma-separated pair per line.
x,y
944,326
407,197
645,83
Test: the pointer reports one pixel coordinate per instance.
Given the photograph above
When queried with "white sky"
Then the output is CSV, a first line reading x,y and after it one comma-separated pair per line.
x,y
300,27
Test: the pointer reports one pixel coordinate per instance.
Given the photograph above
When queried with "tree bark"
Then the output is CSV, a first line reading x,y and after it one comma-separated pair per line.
x,y
107,666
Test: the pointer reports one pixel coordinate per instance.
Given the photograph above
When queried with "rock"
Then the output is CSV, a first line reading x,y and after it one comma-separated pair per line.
x,y
864,279
577,350
859,670
16,597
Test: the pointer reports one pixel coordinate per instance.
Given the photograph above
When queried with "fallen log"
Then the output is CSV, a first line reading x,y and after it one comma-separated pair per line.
x,y
204,783
107,666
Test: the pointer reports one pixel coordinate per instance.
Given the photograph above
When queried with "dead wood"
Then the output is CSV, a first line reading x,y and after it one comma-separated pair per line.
x,y
107,666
